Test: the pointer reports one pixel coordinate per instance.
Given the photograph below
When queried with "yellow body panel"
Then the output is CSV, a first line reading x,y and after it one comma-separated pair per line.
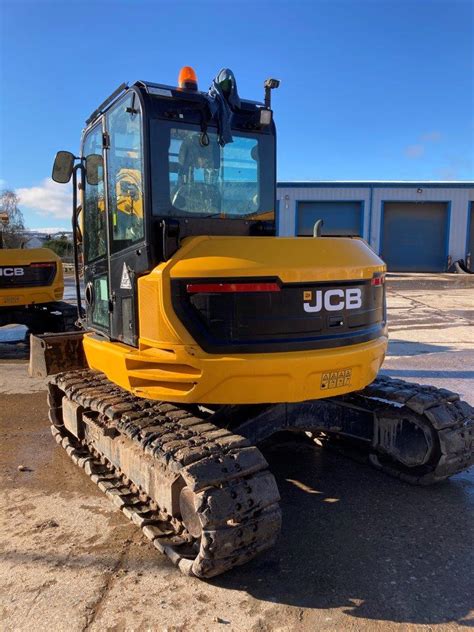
x,y
169,365
22,296
182,374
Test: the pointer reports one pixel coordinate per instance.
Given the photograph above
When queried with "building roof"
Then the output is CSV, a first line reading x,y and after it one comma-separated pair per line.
x,y
445,184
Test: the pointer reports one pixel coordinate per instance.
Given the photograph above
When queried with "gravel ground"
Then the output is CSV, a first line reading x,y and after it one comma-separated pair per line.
x,y
359,551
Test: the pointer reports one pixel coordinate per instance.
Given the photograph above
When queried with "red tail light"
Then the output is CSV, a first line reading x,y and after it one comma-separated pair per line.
x,y
215,288
42,265
378,279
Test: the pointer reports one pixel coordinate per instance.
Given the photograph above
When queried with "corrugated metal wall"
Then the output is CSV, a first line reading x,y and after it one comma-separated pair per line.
x,y
458,196
289,196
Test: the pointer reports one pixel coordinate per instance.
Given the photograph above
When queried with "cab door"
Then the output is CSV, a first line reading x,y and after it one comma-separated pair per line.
x,y
126,213
95,248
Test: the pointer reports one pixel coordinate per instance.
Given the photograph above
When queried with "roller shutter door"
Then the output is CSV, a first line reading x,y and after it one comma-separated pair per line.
x,y
415,236
340,218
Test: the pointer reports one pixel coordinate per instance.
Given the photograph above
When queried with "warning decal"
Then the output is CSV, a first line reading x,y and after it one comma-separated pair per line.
x,y
336,379
125,283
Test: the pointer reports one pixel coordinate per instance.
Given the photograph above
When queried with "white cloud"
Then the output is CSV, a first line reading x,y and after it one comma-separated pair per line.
x,y
3,183
49,199
418,150
447,173
414,151
431,137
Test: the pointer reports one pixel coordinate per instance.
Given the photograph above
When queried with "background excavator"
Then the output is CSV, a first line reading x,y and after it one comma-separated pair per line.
x,y
31,290
204,333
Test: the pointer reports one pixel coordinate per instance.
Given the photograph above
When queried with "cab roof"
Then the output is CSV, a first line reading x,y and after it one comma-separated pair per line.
x,y
160,90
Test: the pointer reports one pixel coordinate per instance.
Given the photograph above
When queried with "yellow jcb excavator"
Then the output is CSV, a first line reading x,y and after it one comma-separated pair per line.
x,y
205,333
31,290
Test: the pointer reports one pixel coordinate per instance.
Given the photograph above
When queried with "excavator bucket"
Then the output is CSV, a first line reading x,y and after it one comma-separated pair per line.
x,y
54,353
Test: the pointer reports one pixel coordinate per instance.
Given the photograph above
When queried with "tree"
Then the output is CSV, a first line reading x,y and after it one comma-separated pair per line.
x,y
12,230
60,245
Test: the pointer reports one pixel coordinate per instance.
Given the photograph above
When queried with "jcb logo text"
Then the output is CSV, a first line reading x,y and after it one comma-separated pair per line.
x,y
9,272
333,300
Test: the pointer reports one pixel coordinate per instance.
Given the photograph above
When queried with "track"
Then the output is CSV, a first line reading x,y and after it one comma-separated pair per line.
x,y
59,316
203,494
234,495
438,416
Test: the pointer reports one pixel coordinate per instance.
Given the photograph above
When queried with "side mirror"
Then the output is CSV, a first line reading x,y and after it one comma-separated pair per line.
x,y
63,166
94,169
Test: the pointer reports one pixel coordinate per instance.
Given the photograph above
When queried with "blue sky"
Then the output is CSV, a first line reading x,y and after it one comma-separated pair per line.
x,y
379,89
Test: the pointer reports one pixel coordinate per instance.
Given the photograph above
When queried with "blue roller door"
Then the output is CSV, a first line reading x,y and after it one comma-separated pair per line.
x,y
415,236
340,218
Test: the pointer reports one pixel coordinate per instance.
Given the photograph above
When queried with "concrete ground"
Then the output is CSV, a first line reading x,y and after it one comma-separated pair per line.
x,y
359,550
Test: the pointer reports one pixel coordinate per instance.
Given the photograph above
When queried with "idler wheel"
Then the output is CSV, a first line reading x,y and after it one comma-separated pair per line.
x,y
187,505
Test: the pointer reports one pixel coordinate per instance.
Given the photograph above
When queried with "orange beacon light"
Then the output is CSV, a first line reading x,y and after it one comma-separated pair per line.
x,y
187,78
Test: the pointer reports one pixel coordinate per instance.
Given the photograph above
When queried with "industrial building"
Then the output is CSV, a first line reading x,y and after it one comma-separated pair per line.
x,y
414,226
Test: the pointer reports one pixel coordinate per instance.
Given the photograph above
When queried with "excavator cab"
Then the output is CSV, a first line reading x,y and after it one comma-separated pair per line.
x,y
156,174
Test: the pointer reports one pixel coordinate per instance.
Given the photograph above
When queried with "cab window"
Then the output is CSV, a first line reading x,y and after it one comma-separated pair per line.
x,y
95,227
125,168
100,310
213,180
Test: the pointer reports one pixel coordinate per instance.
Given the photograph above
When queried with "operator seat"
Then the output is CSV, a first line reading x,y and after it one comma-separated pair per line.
x,y
198,175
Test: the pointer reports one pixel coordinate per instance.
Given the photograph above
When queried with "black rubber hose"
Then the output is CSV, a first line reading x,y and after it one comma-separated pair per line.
x,y
74,238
